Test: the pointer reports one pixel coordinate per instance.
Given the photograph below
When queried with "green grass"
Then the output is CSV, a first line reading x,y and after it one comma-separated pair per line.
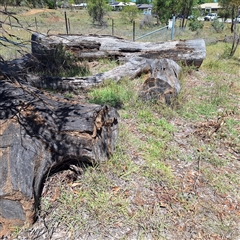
x,y
172,173
128,191
111,93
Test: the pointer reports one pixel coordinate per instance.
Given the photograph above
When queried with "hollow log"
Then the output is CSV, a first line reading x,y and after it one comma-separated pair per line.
x,y
189,52
39,132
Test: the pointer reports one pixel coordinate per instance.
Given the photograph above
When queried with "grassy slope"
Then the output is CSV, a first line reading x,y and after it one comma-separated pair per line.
x,y
175,171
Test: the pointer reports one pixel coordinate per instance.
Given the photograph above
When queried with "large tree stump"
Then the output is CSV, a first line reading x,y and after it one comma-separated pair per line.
x,y
163,84
190,52
39,133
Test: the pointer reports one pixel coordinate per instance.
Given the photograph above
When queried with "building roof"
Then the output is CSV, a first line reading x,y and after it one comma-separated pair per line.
x,y
210,5
144,6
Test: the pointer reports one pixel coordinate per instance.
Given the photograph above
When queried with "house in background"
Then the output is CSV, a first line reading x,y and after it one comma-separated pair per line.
x,y
118,6
145,8
210,8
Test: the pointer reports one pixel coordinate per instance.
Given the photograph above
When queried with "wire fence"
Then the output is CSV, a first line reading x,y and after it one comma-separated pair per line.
x,y
77,22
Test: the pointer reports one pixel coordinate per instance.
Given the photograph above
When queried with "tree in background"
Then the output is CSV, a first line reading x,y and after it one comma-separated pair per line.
x,y
165,9
186,9
205,1
6,3
52,4
143,1
232,6
129,13
97,9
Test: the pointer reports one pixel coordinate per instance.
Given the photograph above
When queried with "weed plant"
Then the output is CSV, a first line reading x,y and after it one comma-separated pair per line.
x,y
168,178
218,26
61,62
111,93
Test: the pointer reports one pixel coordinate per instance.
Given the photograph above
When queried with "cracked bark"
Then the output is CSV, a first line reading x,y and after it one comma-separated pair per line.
x,y
39,133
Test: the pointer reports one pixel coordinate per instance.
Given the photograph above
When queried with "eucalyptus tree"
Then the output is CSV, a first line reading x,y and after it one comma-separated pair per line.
x,y
186,8
233,7
129,13
97,9
166,8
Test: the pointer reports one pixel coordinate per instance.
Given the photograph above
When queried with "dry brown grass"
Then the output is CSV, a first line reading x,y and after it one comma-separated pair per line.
x,y
174,174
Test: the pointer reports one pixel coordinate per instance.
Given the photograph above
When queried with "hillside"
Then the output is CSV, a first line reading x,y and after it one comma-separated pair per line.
x,y
175,171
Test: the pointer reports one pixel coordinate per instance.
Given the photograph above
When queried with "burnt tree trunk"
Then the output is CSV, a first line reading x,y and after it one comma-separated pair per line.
x,y
39,133
131,69
134,67
163,84
190,52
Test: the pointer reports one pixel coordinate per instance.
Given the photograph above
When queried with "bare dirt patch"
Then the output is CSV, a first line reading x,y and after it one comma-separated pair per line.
x,y
55,19
35,11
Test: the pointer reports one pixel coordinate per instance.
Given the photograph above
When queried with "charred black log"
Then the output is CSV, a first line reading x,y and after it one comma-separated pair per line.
x,y
39,132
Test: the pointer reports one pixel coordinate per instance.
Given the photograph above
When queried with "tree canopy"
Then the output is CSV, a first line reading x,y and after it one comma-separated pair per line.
x,y
166,8
97,9
233,7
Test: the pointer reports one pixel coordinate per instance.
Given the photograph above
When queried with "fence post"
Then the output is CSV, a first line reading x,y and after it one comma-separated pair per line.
x,y
173,28
133,31
10,21
66,23
69,25
112,27
36,24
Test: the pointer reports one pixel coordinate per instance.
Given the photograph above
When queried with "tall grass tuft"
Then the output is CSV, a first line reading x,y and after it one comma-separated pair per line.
x,y
115,94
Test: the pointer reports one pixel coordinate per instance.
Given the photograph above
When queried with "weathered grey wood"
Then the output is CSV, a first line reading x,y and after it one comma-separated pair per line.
x,y
131,69
190,52
39,133
163,84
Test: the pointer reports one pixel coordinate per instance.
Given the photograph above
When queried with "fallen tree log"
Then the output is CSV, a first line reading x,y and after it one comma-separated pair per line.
x,y
133,68
39,133
162,83
189,52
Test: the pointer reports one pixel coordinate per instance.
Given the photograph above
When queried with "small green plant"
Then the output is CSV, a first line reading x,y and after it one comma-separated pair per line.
x,y
195,24
69,95
16,230
218,26
226,52
61,62
111,93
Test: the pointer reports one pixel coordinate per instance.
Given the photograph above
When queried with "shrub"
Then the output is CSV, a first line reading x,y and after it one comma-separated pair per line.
x,y
111,93
60,62
218,26
50,4
195,24
147,21
97,10
129,13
